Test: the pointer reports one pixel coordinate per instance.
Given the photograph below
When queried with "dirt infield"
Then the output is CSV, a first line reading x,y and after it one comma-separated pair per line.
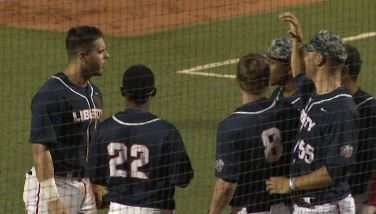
x,y
128,17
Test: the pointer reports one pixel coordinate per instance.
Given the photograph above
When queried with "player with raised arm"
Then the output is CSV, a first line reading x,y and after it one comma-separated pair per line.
x,y
251,144
366,154
139,157
327,137
64,112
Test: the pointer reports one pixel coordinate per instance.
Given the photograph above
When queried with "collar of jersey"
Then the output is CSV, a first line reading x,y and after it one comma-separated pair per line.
x,y
256,107
335,92
66,80
319,99
361,97
134,117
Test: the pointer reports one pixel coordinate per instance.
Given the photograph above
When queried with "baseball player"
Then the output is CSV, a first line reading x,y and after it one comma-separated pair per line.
x,y
64,112
252,144
366,154
293,91
138,156
327,137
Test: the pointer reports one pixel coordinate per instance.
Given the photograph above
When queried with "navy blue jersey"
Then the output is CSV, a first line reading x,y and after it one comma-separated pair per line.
x,y
253,144
140,158
366,154
63,116
327,137
300,97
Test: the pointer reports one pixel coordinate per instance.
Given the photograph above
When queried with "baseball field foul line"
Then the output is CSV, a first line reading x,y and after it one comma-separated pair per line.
x,y
198,70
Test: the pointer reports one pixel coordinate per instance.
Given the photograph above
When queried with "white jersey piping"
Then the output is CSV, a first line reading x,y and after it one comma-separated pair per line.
x,y
91,96
256,112
368,99
322,101
133,124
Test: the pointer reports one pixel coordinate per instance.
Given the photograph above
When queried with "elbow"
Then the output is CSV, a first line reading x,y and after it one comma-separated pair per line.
x,y
227,188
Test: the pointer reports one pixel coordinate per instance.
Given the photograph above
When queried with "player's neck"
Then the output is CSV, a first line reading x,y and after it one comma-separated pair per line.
x,y
351,86
144,107
327,81
72,71
290,87
248,97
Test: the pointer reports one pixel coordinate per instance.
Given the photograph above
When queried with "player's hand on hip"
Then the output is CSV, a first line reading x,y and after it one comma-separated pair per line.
x,y
99,193
278,185
57,207
295,29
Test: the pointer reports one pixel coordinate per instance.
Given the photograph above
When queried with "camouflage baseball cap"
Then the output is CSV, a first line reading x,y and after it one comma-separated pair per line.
x,y
280,49
327,43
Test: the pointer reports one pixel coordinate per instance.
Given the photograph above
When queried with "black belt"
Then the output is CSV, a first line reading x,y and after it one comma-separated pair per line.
x,y
300,202
71,175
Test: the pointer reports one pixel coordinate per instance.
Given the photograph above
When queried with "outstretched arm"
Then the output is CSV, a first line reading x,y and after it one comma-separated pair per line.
x,y
297,57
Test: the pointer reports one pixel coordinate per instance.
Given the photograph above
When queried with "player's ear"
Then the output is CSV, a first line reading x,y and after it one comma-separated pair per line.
x,y
320,59
154,92
122,91
82,56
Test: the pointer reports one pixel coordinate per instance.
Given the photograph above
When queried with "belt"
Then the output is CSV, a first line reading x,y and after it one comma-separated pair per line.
x,y
71,175
300,202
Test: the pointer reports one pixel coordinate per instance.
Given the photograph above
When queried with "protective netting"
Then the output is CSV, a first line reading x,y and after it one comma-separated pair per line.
x,y
193,48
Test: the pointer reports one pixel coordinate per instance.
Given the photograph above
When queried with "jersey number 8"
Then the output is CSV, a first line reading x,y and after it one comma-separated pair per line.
x,y
271,138
119,152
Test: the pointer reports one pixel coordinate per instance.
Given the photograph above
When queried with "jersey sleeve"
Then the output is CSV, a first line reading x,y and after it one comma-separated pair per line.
x,y
180,165
44,116
97,164
342,139
227,154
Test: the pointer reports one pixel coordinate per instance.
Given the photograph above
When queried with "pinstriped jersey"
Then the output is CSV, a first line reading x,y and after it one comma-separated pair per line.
x,y
63,116
366,154
140,158
253,144
327,136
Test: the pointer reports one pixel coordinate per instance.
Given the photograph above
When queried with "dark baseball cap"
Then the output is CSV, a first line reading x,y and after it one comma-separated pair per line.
x,y
280,49
138,80
328,44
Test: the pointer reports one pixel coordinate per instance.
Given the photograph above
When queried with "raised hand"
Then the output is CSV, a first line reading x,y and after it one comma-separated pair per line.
x,y
295,29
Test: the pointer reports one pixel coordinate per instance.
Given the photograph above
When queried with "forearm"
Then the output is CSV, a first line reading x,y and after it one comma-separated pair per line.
x,y
222,195
317,179
42,162
297,58
44,169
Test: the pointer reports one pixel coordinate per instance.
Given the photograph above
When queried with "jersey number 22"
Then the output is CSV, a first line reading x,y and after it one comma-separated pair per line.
x,y
119,152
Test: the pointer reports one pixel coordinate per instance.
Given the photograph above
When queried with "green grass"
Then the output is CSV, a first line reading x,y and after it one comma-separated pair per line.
x,y
195,104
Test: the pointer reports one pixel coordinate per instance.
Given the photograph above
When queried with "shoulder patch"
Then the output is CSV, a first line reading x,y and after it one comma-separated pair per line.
x,y
346,151
219,164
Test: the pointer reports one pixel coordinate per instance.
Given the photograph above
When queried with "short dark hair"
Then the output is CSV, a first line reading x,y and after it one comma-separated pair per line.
x,y
138,83
353,63
253,73
81,38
